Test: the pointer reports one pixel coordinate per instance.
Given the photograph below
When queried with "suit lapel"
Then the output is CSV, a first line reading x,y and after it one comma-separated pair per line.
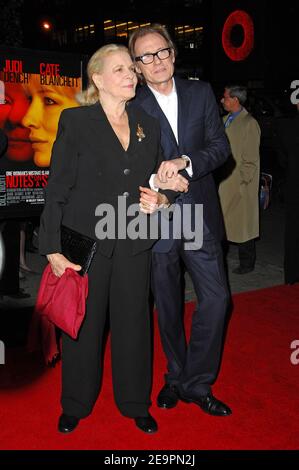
x,y
150,104
96,112
101,129
184,98
236,123
99,125
134,148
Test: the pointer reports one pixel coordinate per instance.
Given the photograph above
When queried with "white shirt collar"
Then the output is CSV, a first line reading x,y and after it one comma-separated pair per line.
x,y
159,95
169,105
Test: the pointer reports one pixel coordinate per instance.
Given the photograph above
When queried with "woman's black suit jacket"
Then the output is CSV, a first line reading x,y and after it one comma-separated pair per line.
x,y
89,166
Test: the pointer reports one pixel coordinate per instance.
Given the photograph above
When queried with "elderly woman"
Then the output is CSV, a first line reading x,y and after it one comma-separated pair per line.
x,y
106,150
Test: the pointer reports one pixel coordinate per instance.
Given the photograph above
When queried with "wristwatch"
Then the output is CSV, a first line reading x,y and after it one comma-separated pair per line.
x,y
186,159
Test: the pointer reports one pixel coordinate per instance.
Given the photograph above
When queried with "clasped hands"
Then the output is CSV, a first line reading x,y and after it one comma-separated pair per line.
x,y
167,177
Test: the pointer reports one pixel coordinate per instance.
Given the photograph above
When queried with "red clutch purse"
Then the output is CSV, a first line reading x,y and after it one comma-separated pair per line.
x,y
63,299
61,302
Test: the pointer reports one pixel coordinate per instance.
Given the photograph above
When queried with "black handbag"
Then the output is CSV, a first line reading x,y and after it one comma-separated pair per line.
x,y
78,248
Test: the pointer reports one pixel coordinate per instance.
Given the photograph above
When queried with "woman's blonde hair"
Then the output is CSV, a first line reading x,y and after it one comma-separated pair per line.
x,y
95,65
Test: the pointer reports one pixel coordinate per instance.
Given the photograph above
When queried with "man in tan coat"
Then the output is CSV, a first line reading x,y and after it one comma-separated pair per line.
x,y
239,187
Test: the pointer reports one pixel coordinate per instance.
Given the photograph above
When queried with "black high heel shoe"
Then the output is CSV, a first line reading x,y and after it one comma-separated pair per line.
x,y
146,424
67,423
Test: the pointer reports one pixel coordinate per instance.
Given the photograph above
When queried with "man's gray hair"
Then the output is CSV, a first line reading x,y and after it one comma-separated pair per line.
x,y
155,28
238,91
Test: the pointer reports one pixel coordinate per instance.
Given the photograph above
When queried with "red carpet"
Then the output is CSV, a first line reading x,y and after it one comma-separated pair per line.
x,y
257,380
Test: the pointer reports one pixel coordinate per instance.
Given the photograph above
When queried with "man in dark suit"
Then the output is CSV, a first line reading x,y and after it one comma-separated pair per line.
x,y
194,143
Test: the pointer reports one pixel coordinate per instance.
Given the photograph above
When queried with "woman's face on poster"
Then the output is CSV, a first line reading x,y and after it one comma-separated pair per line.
x,y
46,104
12,110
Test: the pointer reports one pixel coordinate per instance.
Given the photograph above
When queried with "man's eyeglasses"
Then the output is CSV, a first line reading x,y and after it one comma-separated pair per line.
x,y
149,58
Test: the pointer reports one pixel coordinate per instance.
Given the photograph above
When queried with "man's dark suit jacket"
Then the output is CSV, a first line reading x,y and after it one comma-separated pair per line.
x,y
201,137
90,167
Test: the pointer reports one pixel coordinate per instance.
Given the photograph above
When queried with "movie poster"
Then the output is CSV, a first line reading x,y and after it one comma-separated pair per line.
x,y
35,86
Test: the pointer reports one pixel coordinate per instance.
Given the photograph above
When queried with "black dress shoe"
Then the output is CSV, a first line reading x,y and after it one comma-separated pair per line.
x,y
243,269
146,423
67,423
168,397
209,404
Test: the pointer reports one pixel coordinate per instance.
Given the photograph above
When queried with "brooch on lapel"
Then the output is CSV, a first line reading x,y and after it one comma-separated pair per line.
x,y
140,134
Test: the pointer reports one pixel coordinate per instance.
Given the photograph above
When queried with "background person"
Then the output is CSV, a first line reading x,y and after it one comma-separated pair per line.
x,y
239,186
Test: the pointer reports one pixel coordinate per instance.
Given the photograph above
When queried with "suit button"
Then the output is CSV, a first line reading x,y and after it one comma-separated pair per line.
x,y
127,171
126,194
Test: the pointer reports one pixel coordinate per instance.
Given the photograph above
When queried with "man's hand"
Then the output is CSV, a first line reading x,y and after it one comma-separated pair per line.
x,y
59,263
175,183
151,200
170,168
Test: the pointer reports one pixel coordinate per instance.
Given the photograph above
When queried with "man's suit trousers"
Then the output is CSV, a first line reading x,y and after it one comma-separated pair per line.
x,y
192,367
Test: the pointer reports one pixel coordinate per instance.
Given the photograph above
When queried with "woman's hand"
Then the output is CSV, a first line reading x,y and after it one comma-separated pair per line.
x,y
176,183
151,200
59,263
